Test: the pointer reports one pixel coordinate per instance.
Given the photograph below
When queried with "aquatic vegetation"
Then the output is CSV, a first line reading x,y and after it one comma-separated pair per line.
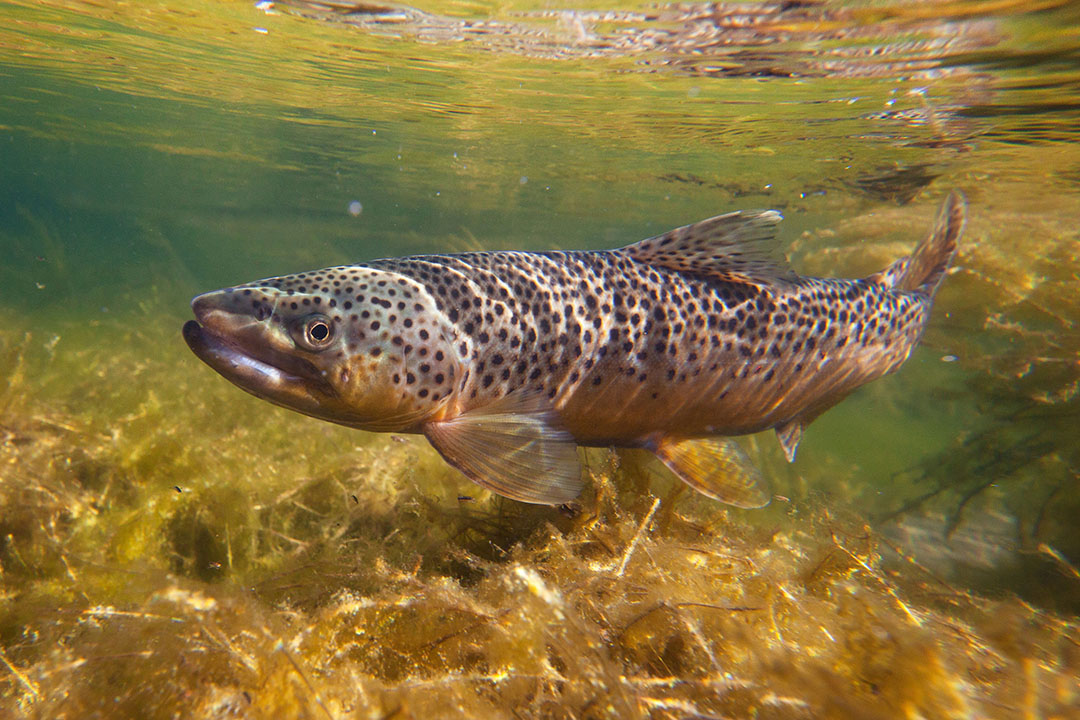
x,y
255,570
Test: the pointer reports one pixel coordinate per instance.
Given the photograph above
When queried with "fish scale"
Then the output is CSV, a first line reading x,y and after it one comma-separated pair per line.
x,y
506,361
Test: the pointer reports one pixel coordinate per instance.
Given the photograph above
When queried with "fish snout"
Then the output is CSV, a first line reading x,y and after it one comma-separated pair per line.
x,y
233,305
205,304
216,311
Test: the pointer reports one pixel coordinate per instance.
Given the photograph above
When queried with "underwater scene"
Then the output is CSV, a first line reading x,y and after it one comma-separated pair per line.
x,y
173,547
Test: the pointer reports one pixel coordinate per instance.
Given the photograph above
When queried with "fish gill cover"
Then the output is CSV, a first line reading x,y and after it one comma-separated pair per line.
x,y
171,548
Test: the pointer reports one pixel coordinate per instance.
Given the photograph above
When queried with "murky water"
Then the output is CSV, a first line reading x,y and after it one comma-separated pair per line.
x,y
169,545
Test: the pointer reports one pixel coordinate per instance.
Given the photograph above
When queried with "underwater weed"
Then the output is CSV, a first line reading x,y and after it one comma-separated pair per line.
x,y
171,547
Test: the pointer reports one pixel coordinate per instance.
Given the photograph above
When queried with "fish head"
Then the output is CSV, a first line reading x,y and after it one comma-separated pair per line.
x,y
357,346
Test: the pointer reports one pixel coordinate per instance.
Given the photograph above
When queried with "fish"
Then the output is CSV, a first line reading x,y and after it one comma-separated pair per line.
x,y
508,361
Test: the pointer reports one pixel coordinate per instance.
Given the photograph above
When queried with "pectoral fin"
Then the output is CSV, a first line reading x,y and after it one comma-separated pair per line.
x,y
515,448
716,467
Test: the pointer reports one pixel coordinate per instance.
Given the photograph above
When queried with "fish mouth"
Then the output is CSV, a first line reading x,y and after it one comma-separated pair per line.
x,y
279,377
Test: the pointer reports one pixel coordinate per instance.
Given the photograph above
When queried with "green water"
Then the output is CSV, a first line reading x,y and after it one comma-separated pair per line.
x,y
150,152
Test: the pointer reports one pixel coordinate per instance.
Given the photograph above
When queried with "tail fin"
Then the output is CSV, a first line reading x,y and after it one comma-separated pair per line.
x,y
926,266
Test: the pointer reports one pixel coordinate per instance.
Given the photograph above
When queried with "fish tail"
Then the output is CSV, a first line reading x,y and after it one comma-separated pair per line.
x,y
923,270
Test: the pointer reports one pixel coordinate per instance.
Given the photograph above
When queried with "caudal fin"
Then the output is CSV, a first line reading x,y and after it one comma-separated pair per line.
x,y
924,269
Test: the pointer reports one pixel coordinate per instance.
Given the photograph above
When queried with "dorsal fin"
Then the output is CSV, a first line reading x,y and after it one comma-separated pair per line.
x,y
736,246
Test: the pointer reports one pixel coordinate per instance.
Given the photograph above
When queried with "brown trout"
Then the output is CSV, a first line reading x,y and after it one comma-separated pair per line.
x,y
507,361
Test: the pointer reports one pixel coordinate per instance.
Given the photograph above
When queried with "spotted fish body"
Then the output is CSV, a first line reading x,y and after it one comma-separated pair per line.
x,y
508,360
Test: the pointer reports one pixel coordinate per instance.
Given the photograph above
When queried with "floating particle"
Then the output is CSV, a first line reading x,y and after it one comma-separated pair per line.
x,y
355,208
949,358
524,179
261,30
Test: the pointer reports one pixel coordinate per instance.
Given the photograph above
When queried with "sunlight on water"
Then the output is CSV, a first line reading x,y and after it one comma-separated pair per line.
x,y
170,545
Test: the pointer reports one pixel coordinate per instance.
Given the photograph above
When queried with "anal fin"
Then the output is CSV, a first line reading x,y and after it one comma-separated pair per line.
x,y
513,447
789,434
716,467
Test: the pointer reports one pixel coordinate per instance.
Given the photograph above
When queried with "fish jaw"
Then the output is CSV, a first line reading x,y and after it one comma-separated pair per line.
x,y
256,354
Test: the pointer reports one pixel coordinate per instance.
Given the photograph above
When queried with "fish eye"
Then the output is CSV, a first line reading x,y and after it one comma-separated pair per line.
x,y
317,331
